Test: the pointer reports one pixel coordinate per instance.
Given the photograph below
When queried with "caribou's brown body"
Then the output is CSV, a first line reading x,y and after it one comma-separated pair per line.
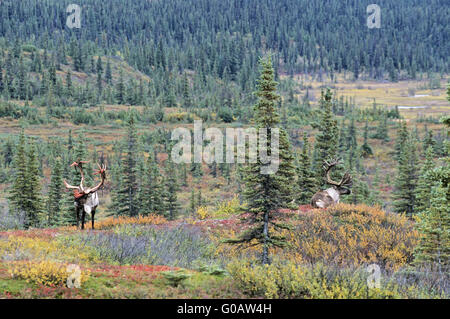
x,y
86,199
332,195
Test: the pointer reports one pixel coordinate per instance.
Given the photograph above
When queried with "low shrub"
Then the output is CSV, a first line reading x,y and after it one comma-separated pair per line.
x,y
23,248
202,213
227,209
110,222
47,273
176,278
352,235
289,280
158,245
10,220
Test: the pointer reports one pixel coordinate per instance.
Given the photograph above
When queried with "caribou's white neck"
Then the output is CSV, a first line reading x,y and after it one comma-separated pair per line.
x,y
334,194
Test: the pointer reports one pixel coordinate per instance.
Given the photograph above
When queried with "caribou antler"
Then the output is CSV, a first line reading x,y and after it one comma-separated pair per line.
x,y
102,172
79,164
328,165
80,189
346,180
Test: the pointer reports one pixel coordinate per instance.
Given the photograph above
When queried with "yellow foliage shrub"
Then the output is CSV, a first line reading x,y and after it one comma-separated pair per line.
x,y
288,280
23,248
352,235
177,116
227,208
343,235
151,219
202,213
44,272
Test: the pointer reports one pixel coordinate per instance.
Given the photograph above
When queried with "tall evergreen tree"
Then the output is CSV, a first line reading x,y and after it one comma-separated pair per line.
x,y
171,188
307,183
34,207
120,89
366,150
108,73
425,181
55,195
99,74
187,101
125,202
434,226
151,192
267,193
327,138
406,179
18,192
402,137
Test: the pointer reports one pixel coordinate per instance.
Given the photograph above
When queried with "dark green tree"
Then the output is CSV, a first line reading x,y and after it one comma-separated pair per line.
x,y
55,195
425,182
151,192
366,150
434,227
406,180
327,138
267,191
18,192
127,190
170,196
307,184
120,89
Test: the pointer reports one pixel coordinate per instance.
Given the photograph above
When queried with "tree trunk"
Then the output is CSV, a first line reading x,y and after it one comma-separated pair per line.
x,y
265,253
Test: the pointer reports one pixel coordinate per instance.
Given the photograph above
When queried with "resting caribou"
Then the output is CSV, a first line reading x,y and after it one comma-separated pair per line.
x,y
331,196
86,199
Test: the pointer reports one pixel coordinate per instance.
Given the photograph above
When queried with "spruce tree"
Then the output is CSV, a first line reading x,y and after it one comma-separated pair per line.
x,y
187,101
99,74
55,195
406,179
366,150
327,138
69,89
125,202
425,182
120,89
307,184
434,226
429,141
192,204
266,194
402,137
34,207
171,188
108,73
351,145
150,192
199,198
18,192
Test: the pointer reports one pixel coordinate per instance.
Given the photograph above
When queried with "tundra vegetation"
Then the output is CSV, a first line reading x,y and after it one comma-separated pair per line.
x,y
363,177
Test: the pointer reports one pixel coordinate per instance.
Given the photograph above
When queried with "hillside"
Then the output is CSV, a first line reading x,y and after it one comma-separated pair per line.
x,y
115,263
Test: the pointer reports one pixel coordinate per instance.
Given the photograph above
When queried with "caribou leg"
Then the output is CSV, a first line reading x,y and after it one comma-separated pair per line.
x,y
83,215
78,216
92,217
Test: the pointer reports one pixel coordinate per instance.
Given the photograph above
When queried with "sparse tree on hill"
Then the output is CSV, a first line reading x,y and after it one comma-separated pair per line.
x,y
171,188
406,180
327,139
55,195
267,193
307,184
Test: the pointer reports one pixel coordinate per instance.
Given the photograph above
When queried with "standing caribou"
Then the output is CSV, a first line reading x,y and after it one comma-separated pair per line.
x,y
86,199
331,196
